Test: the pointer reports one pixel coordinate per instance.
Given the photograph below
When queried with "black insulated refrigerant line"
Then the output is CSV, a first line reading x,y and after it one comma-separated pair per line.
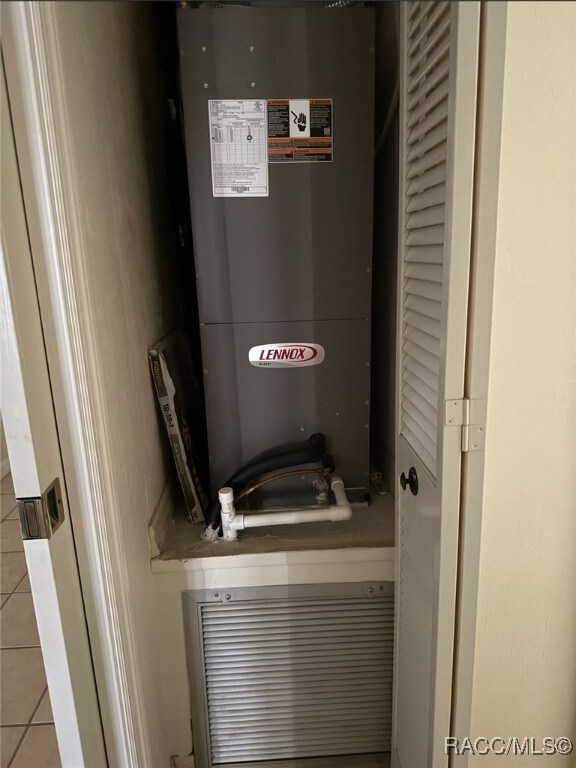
x,y
313,452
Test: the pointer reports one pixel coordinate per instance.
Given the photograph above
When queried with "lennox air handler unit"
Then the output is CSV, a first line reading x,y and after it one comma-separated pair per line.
x,y
278,113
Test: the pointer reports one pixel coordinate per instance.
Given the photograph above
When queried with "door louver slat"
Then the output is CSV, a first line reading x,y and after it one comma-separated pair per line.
x,y
423,373
427,426
432,138
432,118
428,88
428,106
419,56
427,217
420,74
432,177
426,392
426,324
427,161
432,196
423,340
417,428
297,678
420,402
424,288
418,12
418,35
425,119
423,306
431,273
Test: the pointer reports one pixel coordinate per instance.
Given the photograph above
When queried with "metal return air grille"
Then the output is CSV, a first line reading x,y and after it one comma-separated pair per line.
x,y
293,676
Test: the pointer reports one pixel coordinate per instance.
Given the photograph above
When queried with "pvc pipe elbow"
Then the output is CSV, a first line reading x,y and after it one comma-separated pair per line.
x,y
226,498
342,503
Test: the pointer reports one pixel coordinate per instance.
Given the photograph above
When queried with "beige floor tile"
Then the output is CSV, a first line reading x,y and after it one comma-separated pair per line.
x,y
23,683
183,762
9,740
18,628
12,570
11,536
7,505
14,515
3,599
6,485
44,711
39,749
24,585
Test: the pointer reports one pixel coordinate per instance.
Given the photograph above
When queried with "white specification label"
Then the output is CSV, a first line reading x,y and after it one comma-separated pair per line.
x,y
239,148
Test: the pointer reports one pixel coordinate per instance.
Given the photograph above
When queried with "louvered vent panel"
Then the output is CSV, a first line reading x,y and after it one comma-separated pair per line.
x,y
426,131
293,678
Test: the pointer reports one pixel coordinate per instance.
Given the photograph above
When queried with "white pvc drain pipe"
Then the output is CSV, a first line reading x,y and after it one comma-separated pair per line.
x,y
232,522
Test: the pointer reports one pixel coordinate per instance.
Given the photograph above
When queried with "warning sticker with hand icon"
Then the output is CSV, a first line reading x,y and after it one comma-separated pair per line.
x,y
300,131
300,123
300,120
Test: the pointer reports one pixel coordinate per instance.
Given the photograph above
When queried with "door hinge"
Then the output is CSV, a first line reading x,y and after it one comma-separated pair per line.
x,y
471,416
40,516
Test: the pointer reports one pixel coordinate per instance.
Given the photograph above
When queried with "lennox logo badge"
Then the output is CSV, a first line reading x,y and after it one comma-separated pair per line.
x,y
293,355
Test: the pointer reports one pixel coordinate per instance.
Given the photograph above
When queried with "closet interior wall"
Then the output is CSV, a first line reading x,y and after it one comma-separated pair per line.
x,y
384,266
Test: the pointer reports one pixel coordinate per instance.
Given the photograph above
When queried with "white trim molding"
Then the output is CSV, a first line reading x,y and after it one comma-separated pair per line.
x,y
35,85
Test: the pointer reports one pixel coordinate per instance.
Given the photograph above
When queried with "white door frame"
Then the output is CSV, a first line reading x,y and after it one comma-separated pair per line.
x,y
50,185
32,438
485,222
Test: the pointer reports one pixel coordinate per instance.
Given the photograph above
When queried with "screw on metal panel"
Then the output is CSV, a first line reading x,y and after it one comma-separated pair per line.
x,y
205,371
302,429
251,49
381,588
337,413
366,426
370,592
252,85
227,598
216,594
205,85
203,49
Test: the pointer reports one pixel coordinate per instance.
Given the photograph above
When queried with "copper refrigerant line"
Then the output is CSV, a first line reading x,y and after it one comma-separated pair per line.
x,y
281,476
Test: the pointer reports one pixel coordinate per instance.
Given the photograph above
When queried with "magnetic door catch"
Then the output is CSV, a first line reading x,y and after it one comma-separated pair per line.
x,y
40,516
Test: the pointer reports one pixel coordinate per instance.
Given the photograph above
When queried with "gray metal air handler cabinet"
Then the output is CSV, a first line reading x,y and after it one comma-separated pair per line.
x,y
278,111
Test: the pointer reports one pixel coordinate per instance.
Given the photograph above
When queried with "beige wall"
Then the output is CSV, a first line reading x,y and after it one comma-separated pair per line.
x,y
522,655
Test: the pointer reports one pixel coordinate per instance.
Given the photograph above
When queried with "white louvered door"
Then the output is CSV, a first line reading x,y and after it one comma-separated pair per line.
x,y
438,89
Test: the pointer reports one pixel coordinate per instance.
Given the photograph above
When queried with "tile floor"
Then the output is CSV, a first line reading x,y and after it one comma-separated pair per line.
x,y
27,735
